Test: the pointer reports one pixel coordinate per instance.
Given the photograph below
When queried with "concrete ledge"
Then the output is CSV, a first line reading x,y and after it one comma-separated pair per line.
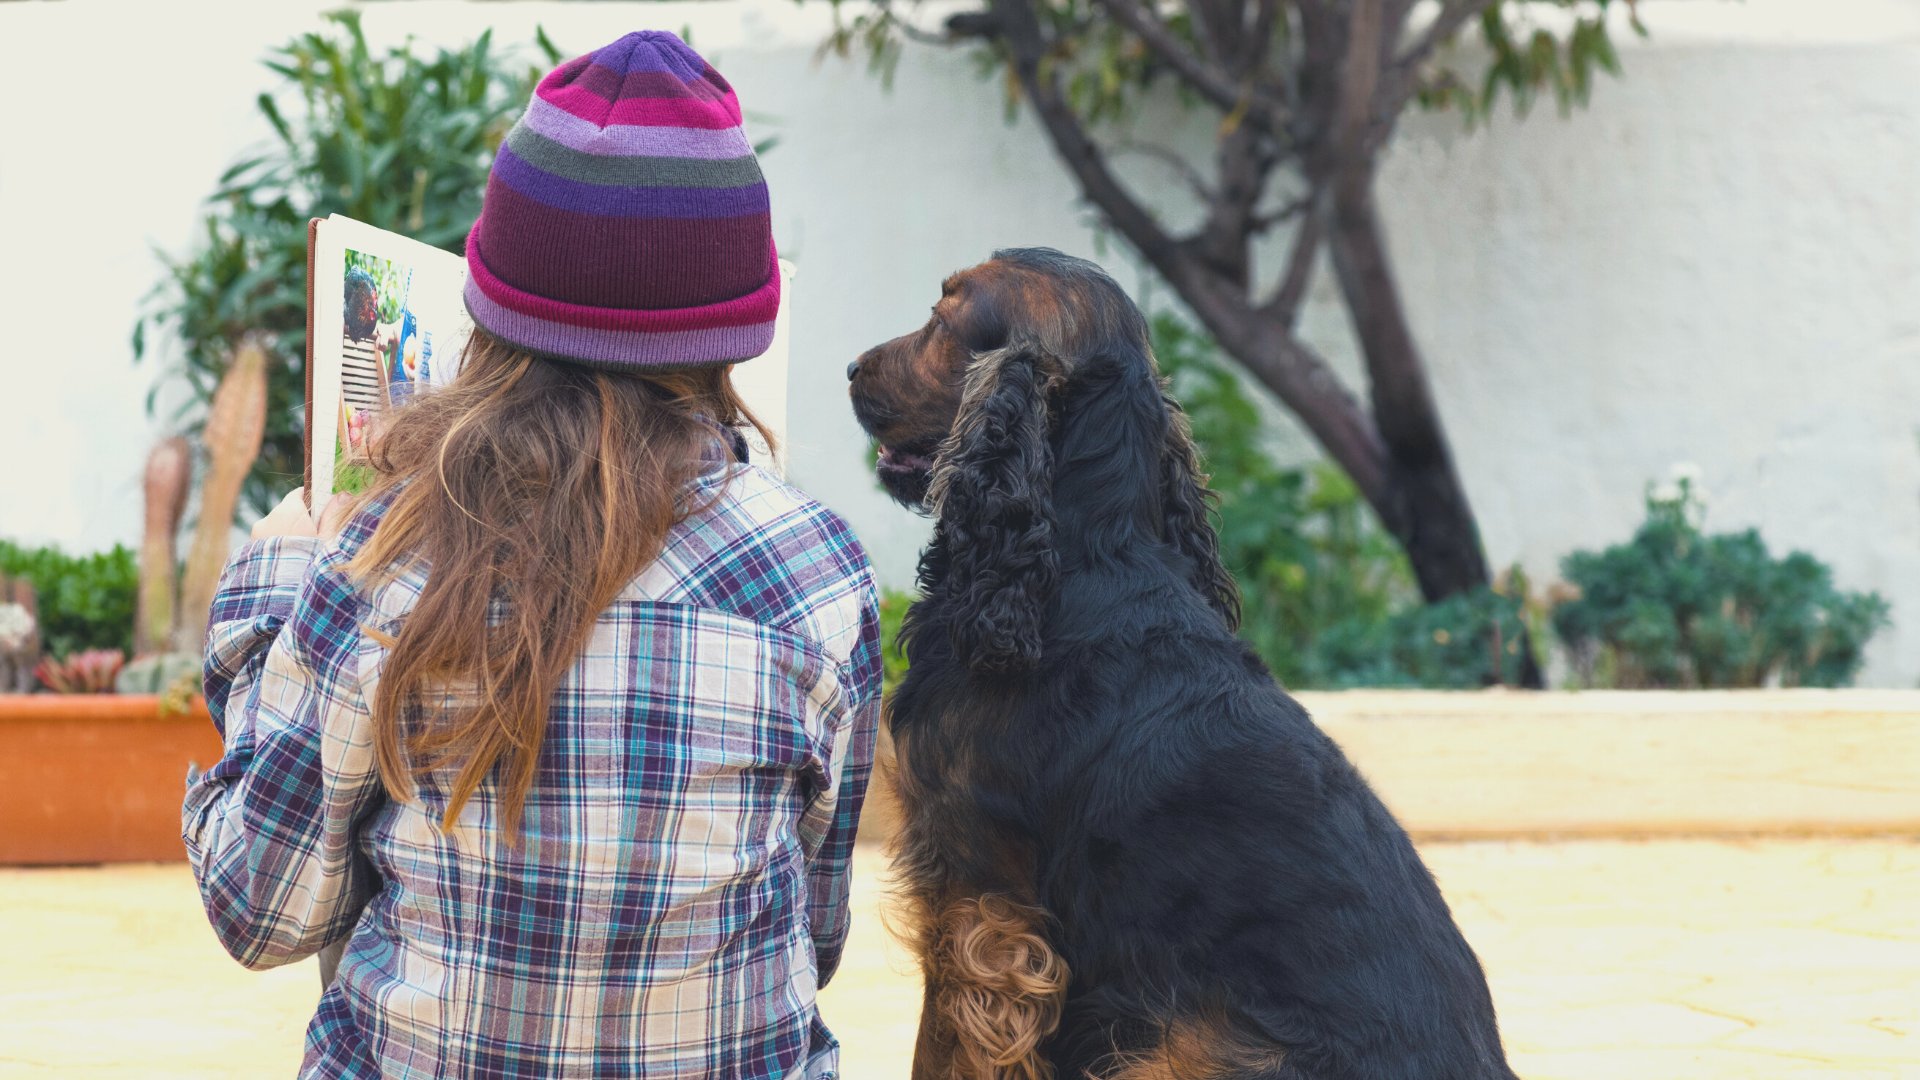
x,y
1707,763
1636,763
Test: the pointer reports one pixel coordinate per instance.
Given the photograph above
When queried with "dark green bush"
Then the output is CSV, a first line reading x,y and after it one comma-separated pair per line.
x,y
397,139
1675,607
1300,542
1464,642
85,601
1328,597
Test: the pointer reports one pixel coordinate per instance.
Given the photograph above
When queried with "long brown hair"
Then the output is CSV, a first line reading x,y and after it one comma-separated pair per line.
x,y
531,492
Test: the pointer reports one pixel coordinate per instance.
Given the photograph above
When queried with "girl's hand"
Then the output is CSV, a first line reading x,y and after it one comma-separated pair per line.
x,y
334,515
291,518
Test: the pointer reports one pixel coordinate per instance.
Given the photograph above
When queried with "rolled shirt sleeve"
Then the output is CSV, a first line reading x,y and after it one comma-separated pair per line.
x,y
269,829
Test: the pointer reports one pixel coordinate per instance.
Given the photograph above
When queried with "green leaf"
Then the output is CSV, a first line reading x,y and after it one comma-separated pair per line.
x,y
85,601
547,47
271,110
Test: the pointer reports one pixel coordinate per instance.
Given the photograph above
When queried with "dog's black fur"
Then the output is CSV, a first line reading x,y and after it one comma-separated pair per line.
x,y
1081,730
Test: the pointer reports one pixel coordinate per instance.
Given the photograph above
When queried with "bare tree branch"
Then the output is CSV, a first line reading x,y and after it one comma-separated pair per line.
x,y
1292,371
1306,384
1353,117
1452,16
964,25
1397,12
1212,83
1260,36
1206,17
924,37
1316,73
1284,306
1020,30
1292,208
1245,162
1171,160
1402,79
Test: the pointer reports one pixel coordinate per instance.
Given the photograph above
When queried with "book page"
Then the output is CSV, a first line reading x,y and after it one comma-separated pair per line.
x,y
388,322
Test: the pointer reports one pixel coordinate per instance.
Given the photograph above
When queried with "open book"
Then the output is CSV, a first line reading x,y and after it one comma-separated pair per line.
x,y
385,321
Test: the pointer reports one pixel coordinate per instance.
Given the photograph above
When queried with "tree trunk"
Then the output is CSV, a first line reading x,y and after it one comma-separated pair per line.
x,y
1398,456
1425,505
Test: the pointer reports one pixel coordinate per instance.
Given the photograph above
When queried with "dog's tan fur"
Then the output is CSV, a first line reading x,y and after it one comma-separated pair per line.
x,y
994,989
1204,1048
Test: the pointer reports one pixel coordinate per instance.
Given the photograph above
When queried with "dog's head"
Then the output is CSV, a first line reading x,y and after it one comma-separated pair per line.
x,y
1031,310
965,410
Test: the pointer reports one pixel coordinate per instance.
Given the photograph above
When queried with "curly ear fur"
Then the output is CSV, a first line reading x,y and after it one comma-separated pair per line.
x,y
996,989
1185,501
992,498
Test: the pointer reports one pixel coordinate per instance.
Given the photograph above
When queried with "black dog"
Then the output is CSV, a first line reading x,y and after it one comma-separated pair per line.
x,y
1126,852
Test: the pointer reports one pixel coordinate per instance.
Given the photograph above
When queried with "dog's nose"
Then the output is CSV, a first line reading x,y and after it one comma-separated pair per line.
x,y
853,369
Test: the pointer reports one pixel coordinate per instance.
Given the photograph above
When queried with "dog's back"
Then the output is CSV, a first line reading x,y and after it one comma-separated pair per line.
x,y
1211,855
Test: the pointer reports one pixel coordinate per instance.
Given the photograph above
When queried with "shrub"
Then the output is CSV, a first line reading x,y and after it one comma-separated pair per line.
x,y
85,601
1300,542
1464,642
1674,607
1328,598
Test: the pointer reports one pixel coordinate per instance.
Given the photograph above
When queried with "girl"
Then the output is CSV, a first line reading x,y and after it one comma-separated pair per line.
x,y
565,729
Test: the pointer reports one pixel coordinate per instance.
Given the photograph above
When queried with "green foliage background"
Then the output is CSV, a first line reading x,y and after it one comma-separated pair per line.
x,y
1675,607
399,138
1329,600
85,601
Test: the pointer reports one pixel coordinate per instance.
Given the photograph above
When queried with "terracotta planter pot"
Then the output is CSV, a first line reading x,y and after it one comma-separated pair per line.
x,y
90,778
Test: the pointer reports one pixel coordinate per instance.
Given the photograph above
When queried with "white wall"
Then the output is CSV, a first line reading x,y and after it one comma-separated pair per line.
x,y
1718,262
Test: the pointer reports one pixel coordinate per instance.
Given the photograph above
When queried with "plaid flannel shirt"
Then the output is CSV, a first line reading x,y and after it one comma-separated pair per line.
x,y
679,886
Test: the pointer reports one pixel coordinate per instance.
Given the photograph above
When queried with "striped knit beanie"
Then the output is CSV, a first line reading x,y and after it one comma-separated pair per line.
x,y
626,222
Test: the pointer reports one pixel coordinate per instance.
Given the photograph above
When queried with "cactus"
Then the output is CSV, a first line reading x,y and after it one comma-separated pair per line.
x,y
235,424
89,672
169,474
174,676
153,674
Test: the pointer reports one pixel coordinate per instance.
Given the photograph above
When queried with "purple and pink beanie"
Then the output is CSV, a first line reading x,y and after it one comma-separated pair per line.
x,y
626,222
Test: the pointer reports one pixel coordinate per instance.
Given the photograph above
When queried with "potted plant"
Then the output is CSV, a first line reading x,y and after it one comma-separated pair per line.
x,y
91,765
96,776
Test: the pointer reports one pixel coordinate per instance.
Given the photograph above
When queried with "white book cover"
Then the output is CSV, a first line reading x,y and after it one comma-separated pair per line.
x,y
385,320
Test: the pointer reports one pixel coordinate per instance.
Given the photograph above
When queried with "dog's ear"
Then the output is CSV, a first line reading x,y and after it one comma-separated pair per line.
x,y
1185,503
992,496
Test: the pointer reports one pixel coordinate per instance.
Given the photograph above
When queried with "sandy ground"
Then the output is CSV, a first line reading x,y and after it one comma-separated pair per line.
x,y
1656,960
